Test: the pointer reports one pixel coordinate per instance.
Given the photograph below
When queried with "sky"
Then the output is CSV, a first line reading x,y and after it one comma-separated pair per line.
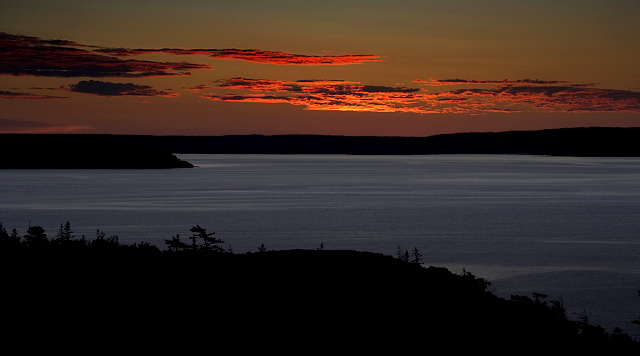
x,y
371,67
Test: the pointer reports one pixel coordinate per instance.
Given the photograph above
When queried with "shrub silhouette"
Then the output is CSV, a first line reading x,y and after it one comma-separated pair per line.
x,y
175,244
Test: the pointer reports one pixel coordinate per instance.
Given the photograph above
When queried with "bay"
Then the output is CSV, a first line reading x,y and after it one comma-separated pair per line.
x,y
565,226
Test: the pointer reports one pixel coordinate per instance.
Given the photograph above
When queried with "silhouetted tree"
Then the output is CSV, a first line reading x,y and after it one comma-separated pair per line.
x,y
209,243
7,240
14,235
402,256
479,284
35,237
144,247
175,244
583,319
262,248
102,241
417,256
637,321
539,298
65,233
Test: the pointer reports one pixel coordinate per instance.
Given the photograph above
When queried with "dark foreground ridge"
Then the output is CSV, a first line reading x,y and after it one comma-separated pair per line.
x,y
319,299
135,151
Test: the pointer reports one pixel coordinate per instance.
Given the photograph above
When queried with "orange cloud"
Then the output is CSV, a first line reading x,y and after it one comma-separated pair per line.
x,y
337,95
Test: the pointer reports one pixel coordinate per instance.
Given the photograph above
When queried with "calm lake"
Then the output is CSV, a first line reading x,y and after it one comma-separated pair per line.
x,y
565,226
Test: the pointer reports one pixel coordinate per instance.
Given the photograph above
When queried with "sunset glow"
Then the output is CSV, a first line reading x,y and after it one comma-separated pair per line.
x,y
88,79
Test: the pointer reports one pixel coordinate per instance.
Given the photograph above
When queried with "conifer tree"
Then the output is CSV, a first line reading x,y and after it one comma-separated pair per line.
x,y
417,256
65,233
209,242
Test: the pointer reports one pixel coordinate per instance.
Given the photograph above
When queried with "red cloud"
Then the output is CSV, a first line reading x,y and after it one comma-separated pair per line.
x,y
251,55
350,96
25,55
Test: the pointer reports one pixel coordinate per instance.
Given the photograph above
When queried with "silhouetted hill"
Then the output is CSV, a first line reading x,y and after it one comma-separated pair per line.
x,y
318,299
591,141
594,141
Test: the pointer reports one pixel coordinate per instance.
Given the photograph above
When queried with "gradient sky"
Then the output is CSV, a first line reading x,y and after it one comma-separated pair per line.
x,y
408,68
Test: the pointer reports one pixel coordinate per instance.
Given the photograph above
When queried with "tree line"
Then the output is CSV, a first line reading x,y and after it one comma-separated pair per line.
x,y
35,238
200,241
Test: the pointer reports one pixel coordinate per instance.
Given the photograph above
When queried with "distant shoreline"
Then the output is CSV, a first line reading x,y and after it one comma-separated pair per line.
x,y
145,151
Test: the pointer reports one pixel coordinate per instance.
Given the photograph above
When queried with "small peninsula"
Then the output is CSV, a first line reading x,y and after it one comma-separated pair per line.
x,y
67,152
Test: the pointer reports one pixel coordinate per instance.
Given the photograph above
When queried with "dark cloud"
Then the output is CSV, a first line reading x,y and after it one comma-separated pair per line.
x,y
25,55
101,88
15,95
260,85
197,88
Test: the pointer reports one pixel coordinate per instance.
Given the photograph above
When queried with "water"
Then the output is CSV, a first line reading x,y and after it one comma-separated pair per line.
x,y
565,226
